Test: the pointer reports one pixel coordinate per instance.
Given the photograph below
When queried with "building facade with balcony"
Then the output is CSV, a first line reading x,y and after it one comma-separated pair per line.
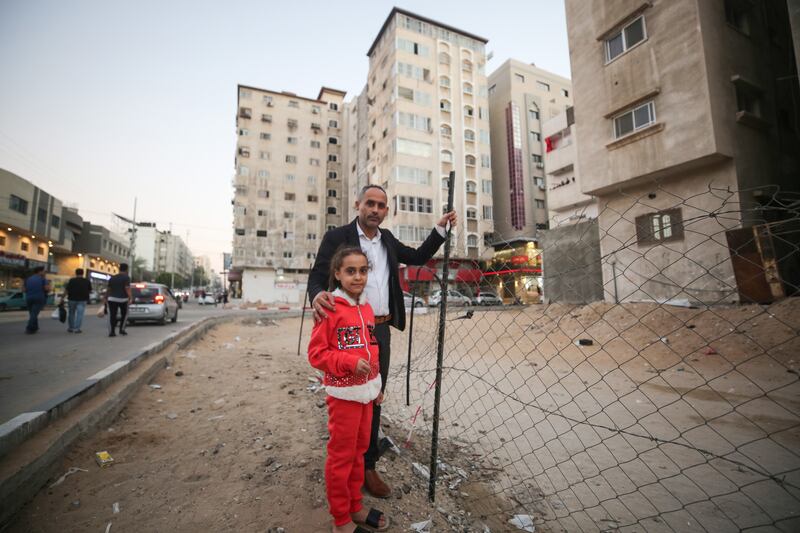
x,y
566,204
288,187
686,109
427,113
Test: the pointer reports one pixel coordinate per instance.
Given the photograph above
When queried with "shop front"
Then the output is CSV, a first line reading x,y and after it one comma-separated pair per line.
x,y
463,275
516,273
13,268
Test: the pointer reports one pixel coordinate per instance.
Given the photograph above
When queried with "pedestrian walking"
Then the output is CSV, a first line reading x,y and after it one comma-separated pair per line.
x,y
118,295
36,288
382,290
77,291
344,347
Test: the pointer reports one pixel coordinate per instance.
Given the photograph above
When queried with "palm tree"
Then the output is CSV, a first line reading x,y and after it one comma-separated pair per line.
x,y
137,268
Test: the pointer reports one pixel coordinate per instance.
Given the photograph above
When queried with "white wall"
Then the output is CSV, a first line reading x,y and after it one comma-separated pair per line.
x,y
259,285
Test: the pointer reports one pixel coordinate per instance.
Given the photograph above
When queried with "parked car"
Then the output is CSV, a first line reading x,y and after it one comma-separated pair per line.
x,y
207,300
453,298
12,300
487,298
152,302
418,301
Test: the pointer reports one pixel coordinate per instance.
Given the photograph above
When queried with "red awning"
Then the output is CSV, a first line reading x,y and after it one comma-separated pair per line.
x,y
415,273
469,276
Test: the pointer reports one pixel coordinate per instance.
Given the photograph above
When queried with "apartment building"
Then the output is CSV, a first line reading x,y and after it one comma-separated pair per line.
x,y
357,142
288,187
686,108
30,224
428,114
521,98
566,204
162,251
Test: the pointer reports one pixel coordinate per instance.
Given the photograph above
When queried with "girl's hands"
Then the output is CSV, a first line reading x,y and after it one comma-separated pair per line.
x,y
379,399
362,368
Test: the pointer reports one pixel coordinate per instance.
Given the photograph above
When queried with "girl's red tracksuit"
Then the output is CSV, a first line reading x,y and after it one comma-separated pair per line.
x,y
337,343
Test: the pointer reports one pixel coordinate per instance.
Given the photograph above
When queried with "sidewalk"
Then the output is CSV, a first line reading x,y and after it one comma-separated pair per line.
x,y
233,440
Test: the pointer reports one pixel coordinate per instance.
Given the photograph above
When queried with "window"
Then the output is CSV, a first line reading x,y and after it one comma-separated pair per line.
x,y
471,186
411,95
466,65
244,132
416,148
748,98
311,255
467,88
469,135
261,233
564,93
542,86
288,215
738,14
445,185
24,246
265,136
492,89
333,106
444,105
472,240
412,48
315,109
244,171
536,136
267,100
244,94
486,186
291,159
533,114
418,176
312,217
658,227
331,210
263,173
266,118
470,160
315,144
486,161
447,156
244,151
444,58
262,212
446,130
313,162
634,119
40,250
536,158
311,236
468,111
264,155
333,158
408,233
289,177
488,213
294,103
444,81
472,213
287,255
415,204
2,240
288,196
263,193
15,203
240,232
484,136
332,175
333,123
313,198
245,112
291,140
539,203
410,120
333,140
628,37
519,77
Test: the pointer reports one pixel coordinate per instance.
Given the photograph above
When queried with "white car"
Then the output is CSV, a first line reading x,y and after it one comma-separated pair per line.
x,y
453,298
152,302
207,300
487,298
418,301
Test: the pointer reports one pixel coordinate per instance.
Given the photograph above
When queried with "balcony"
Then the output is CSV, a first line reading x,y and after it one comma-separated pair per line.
x,y
245,112
292,123
316,127
266,118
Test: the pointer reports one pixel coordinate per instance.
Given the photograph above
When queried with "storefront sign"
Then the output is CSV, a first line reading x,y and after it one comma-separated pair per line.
x,y
14,260
519,259
99,275
285,285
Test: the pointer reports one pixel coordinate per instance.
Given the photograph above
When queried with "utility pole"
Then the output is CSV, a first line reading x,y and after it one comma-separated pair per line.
x,y
191,285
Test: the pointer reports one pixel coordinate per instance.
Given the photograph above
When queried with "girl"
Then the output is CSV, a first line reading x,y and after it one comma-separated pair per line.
x,y
343,346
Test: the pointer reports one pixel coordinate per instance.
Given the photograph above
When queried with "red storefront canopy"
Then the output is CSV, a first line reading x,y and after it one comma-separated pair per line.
x,y
415,273
469,276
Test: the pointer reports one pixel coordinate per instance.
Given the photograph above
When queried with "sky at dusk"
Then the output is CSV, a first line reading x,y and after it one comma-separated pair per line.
x,y
104,101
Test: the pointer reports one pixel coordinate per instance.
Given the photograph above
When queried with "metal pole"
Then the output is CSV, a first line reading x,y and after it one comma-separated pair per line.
x,y
303,312
133,240
440,345
171,242
410,338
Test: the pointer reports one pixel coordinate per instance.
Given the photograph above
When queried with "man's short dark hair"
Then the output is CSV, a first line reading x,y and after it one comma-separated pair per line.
x,y
38,270
123,267
365,188
79,272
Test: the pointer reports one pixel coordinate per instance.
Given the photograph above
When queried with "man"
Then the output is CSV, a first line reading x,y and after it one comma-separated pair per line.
x,y
36,288
78,290
383,290
118,295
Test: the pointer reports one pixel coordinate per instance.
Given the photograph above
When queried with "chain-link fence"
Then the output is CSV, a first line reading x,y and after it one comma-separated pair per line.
x,y
637,370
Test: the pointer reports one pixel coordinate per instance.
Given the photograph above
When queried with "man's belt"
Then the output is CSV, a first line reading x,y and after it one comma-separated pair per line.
x,y
382,319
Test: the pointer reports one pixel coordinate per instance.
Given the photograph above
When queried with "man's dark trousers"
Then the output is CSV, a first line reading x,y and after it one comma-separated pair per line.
x,y
383,337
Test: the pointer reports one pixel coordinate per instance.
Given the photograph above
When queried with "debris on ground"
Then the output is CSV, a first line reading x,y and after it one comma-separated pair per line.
x,y
72,470
523,522
103,459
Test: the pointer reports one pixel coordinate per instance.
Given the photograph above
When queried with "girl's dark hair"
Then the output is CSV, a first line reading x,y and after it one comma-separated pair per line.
x,y
338,259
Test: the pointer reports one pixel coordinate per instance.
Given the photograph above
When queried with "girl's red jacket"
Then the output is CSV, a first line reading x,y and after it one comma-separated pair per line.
x,y
339,341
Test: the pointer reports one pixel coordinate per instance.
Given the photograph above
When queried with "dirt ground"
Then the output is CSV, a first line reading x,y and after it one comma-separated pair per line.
x,y
231,437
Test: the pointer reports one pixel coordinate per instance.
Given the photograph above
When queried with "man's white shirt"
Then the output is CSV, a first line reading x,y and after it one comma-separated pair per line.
x,y
377,289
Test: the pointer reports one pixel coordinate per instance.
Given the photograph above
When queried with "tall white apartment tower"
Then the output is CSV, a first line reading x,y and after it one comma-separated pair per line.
x,y
428,107
287,188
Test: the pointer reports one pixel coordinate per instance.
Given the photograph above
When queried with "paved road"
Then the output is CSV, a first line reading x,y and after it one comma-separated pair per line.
x,y
35,368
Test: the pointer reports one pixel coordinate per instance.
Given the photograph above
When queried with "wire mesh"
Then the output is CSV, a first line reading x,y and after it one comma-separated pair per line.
x,y
652,385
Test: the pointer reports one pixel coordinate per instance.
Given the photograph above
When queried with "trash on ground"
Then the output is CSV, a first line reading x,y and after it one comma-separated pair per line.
x,y
108,527
421,471
115,508
155,386
709,351
523,522
584,342
218,417
172,416
421,527
103,459
179,373
69,472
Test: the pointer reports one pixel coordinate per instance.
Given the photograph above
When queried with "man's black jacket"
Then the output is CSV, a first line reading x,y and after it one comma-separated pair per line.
x,y
397,253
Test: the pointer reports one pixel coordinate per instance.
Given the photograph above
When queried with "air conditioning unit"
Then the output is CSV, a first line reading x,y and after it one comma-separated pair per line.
x,y
539,165
541,187
269,104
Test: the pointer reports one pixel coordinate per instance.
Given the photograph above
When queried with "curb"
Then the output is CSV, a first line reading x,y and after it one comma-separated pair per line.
x,y
19,486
